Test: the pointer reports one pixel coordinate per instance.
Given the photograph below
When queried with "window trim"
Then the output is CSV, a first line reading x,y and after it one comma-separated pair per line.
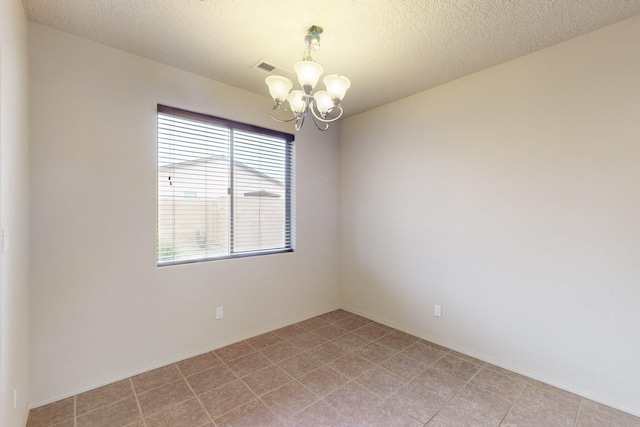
x,y
289,186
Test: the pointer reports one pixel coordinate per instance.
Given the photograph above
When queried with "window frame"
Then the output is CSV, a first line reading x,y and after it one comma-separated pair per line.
x,y
289,185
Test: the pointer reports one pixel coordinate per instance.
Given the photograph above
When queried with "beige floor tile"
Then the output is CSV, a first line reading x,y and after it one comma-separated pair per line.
x,y
290,331
307,341
335,316
103,396
351,365
352,323
594,414
351,398
477,400
226,398
375,352
385,416
323,380
119,414
198,363
394,342
267,379
328,352
423,351
506,372
420,406
523,416
434,345
280,351
248,364
52,413
350,341
156,378
68,423
372,331
380,381
185,414
163,397
211,378
466,358
264,340
549,403
300,364
289,399
456,367
554,390
318,414
452,416
397,340
234,351
498,382
436,382
313,323
330,332
405,366
254,413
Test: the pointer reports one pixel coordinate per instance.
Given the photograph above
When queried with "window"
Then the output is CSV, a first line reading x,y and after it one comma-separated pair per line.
x,y
225,189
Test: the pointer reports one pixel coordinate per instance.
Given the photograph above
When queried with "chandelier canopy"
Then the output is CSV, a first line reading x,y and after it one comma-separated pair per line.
x,y
324,105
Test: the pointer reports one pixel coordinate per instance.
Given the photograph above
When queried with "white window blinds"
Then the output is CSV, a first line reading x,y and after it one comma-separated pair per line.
x,y
225,189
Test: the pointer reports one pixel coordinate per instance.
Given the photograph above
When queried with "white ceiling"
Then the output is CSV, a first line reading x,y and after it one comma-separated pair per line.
x,y
388,48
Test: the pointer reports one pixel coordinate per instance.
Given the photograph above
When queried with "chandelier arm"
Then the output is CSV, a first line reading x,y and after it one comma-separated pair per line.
x,y
339,107
315,122
278,107
325,120
316,115
300,121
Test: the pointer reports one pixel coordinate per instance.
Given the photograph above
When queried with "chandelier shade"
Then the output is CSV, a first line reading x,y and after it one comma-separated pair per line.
x,y
336,86
296,101
323,101
279,87
323,105
309,73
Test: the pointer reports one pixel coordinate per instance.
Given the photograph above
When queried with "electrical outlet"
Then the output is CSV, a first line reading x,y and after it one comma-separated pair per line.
x,y
437,310
219,313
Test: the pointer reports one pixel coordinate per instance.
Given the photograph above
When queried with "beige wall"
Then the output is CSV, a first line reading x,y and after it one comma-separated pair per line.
x,y
14,182
511,198
100,309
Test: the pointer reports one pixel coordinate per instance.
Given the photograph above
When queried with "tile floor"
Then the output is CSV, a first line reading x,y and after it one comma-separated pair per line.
x,y
337,369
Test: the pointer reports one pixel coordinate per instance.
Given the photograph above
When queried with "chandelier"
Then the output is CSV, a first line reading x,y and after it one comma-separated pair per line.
x,y
324,105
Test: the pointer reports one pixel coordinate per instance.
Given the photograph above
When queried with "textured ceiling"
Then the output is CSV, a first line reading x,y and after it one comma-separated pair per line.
x,y
388,48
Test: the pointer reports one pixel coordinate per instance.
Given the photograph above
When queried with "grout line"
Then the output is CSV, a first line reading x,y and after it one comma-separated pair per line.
x,y
135,394
75,411
575,422
513,404
184,378
259,398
